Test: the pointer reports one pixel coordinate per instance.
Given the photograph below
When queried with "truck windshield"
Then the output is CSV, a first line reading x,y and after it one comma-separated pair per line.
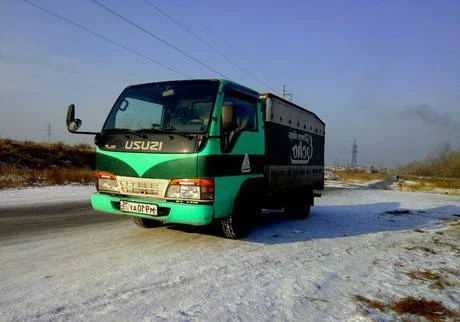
x,y
180,106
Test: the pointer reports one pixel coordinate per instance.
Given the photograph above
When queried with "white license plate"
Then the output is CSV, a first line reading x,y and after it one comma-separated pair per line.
x,y
139,208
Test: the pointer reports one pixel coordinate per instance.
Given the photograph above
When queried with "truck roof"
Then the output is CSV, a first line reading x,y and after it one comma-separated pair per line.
x,y
271,95
175,81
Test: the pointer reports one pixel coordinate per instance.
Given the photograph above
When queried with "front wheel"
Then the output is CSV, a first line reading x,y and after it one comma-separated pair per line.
x,y
240,222
146,223
235,227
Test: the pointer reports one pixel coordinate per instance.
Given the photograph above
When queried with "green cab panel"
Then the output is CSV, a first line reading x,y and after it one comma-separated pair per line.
x,y
147,165
227,189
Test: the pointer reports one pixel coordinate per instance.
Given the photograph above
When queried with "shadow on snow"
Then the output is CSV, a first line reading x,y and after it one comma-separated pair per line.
x,y
336,222
347,220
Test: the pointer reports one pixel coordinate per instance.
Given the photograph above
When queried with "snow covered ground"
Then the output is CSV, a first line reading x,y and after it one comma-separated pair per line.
x,y
350,185
361,242
10,198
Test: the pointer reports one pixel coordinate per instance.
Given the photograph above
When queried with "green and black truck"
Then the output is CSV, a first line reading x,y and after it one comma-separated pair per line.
x,y
204,151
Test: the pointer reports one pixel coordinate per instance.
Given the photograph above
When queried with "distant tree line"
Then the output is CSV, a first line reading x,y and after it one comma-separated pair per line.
x,y
444,162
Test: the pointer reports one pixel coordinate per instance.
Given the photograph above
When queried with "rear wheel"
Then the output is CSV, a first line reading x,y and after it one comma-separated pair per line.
x,y
146,223
299,212
299,205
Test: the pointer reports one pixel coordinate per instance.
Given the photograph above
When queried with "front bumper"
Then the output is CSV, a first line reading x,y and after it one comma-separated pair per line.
x,y
169,212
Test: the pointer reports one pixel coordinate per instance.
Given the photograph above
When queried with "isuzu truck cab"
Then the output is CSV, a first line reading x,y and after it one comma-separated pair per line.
x,y
203,151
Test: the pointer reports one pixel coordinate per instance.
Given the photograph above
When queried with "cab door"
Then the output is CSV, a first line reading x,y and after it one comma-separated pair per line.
x,y
243,134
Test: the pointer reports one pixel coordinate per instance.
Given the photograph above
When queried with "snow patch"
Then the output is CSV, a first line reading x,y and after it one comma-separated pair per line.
x,y
44,195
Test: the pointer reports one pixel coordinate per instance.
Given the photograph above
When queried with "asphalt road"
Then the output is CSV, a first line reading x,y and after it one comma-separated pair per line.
x,y
384,184
37,219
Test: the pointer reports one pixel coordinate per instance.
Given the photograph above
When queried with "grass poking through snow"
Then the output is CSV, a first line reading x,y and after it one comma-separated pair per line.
x,y
439,282
360,176
371,303
431,310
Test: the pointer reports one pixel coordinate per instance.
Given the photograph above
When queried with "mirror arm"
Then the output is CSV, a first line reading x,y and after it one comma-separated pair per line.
x,y
94,133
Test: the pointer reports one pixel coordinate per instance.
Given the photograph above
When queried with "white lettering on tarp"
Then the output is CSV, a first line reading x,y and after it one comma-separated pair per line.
x,y
292,135
305,137
301,147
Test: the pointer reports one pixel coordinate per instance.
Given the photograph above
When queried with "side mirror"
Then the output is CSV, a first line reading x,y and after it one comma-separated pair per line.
x,y
73,124
228,116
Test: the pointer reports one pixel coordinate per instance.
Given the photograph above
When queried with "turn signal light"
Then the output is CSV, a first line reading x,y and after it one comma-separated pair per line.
x,y
107,182
105,175
197,189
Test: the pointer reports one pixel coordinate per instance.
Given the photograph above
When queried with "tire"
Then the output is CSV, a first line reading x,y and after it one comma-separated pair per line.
x,y
146,223
299,211
239,224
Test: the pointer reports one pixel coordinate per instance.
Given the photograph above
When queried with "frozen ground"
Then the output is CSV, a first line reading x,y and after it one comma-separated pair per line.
x,y
10,198
355,242
350,185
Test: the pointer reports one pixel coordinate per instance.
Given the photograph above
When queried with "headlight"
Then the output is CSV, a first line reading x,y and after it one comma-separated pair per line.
x,y
197,189
106,182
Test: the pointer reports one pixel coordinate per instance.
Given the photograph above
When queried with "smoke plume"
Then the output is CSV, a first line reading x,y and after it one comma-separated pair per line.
x,y
428,115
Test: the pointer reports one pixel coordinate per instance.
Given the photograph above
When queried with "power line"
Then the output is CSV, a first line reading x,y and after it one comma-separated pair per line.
x,y
207,44
151,34
105,38
189,13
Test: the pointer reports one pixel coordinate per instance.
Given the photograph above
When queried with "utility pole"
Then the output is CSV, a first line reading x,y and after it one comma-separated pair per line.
x,y
285,94
48,131
354,161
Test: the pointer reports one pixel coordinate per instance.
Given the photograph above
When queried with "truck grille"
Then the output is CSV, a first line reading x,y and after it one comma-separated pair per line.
x,y
139,187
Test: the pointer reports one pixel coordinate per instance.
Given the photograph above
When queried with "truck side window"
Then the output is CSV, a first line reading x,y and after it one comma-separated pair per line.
x,y
245,118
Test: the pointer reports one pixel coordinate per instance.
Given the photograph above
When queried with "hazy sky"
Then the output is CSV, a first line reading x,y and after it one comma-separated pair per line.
x,y
384,72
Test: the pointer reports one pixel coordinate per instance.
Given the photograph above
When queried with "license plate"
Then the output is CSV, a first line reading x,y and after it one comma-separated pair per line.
x,y
139,208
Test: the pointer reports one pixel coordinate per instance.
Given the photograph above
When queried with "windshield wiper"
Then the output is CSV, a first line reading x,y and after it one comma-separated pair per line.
x,y
141,132
170,130
127,132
